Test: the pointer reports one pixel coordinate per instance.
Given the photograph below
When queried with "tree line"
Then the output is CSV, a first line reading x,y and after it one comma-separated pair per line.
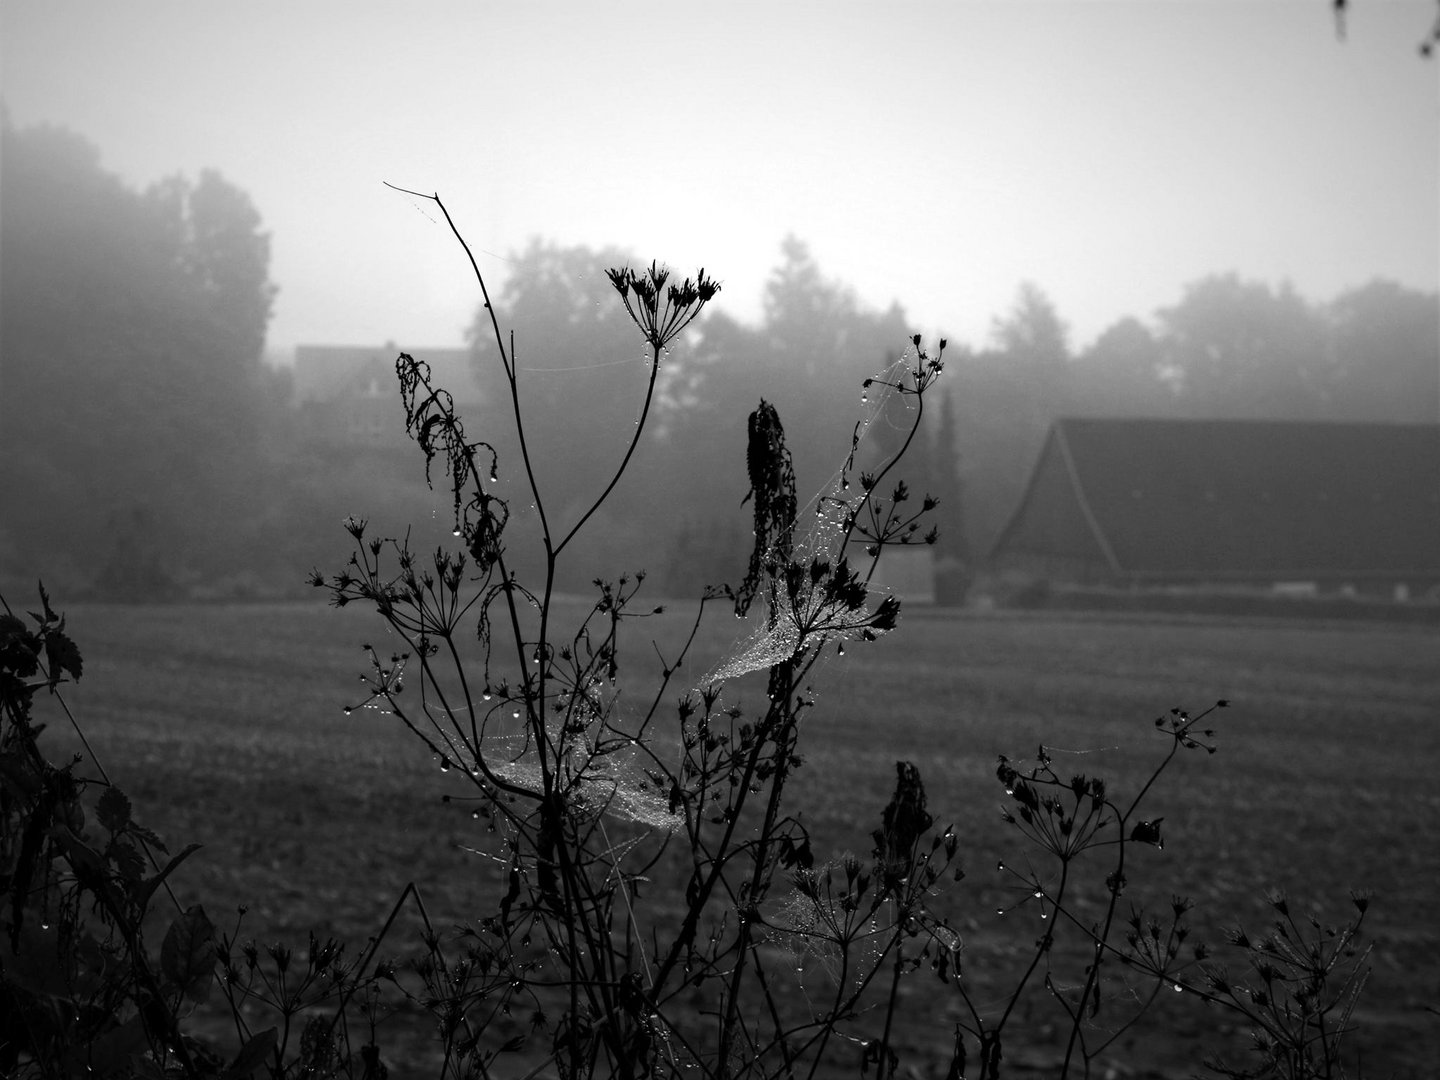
x,y
135,405
146,449
1228,348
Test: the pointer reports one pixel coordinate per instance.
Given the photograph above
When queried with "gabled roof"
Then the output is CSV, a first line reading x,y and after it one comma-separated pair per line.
x,y
1237,499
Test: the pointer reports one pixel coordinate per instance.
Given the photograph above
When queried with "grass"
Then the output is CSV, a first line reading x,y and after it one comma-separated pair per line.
x,y
224,724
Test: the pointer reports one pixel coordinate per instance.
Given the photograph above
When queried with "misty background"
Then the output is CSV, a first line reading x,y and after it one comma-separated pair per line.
x,y
1110,209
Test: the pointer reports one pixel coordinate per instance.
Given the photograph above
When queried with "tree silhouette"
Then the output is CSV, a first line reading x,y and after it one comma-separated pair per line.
x,y
132,330
1385,340
1243,350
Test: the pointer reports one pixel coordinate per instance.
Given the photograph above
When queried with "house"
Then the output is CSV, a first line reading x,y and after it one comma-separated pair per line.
x,y
349,396
1291,504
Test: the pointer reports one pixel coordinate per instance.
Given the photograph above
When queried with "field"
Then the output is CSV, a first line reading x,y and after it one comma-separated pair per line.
x,y
225,725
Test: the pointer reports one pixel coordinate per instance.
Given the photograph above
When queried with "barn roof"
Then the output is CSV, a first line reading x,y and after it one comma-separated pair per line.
x,y
1234,499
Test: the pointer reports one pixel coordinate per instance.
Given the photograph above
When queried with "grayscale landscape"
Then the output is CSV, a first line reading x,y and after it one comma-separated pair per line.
x,y
719,542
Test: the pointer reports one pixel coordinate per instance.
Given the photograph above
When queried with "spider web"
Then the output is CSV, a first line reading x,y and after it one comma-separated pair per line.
x,y
617,783
776,627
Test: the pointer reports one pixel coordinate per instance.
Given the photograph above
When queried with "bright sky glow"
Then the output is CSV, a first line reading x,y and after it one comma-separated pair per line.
x,y
932,153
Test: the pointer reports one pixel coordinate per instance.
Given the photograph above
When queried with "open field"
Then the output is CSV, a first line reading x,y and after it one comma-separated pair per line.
x,y
224,724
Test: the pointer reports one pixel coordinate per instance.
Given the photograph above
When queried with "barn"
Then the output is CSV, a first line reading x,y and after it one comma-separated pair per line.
x,y
1228,502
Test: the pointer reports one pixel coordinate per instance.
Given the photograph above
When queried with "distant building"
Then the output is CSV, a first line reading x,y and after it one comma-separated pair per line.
x,y
349,396
1298,505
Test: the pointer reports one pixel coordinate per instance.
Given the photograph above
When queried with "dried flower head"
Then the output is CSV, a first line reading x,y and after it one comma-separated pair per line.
x,y
660,310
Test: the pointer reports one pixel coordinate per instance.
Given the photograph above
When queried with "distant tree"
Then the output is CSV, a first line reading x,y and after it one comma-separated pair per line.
x,y
130,335
806,316
1120,374
1385,341
1033,330
581,372
1036,349
216,231
1243,350
582,375
819,345
953,550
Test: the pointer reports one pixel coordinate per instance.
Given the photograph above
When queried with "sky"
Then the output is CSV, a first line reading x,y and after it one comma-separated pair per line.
x,y
934,154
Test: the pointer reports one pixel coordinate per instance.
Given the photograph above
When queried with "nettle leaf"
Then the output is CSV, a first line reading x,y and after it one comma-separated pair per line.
x,y
62,655
1148,832
187,955
128,862
148,836
18,647
113,810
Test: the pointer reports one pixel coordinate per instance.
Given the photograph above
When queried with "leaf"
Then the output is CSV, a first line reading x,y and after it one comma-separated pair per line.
x,y
149,885
141,833
45,602
187,955
62,655
113,810
127,861
1148,832
252,1055
18,647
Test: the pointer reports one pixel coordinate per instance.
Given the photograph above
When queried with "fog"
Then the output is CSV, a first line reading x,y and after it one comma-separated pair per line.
x,y
931,154
1185,210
